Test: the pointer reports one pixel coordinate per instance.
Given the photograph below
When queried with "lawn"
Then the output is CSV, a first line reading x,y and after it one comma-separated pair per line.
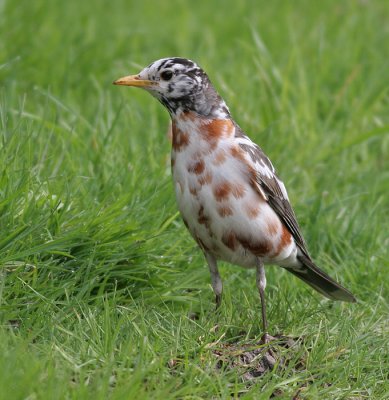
x,y
103,293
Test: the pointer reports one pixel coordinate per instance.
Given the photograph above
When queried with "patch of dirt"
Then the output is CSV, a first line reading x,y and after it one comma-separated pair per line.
x,y
252,360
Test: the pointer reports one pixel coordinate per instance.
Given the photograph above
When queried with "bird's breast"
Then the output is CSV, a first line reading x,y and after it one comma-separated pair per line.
x,y
218,203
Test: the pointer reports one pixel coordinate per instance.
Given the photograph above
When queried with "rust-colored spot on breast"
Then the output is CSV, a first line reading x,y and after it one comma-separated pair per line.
x,y
237,152
205,179
286,239
180,138
213,130
197,167
259,248
229,240
222,191
217,128
252,210
220,157
238,190
273,227
224,211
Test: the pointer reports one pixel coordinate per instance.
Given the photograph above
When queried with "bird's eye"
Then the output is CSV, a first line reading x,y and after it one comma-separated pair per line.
x,y
166,75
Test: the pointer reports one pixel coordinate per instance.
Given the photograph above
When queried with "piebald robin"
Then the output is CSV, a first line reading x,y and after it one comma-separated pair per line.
x,y
228,192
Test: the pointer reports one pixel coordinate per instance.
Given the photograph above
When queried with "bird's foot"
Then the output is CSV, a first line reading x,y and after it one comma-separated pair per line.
x,y
266,338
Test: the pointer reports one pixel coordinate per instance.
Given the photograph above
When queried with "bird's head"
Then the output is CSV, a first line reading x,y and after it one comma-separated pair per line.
x,y
180,85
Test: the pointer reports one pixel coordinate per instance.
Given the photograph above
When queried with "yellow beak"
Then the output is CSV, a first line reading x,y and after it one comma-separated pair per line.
x,y
134,80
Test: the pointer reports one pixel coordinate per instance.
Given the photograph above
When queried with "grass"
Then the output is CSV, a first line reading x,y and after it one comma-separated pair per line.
x,y
98,274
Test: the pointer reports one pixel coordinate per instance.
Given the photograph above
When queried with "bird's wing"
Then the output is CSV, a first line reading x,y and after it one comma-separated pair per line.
x,y
270,186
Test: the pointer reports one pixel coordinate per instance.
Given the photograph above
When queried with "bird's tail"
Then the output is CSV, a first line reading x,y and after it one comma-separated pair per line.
x,y
320,281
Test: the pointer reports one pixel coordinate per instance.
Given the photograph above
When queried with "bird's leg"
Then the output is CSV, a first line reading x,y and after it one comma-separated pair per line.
x,y
261,285
216,281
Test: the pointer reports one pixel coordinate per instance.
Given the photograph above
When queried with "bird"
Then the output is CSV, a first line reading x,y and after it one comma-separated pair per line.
x,y
228,192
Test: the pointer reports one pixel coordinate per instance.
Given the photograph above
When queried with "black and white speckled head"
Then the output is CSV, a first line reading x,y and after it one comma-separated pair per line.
x,y
180,85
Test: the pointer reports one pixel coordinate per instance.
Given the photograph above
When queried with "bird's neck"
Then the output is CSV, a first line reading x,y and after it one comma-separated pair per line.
x,y
200,134
209,104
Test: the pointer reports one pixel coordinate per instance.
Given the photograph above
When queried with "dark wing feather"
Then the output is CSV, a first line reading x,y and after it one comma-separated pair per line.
x,y
282,207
